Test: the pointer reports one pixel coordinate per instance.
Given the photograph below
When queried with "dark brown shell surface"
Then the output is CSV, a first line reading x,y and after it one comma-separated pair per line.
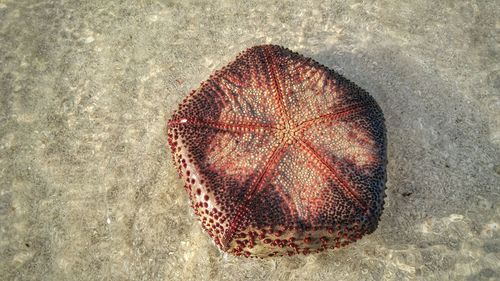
x,y
280,155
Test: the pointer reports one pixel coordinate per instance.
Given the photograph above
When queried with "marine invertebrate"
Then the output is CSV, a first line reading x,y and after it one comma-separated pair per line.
x,y
280,155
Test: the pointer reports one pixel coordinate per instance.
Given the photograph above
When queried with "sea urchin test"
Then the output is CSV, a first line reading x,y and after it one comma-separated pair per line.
x,y
280,155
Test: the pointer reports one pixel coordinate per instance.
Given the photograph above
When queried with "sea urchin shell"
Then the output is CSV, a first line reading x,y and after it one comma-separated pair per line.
x,y
280,155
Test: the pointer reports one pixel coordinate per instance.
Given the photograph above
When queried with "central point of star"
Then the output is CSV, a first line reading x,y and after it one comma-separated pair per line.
x,y
288,132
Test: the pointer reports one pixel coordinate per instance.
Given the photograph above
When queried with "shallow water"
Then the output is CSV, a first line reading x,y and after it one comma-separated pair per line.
x,y
88,191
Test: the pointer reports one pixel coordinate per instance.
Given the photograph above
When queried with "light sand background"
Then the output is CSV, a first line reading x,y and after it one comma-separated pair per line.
x,y
87,187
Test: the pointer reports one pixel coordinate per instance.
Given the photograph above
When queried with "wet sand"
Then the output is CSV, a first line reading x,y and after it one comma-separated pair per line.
x,y
87,187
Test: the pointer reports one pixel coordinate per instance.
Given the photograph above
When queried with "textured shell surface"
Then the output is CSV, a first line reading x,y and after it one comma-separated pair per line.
x,y
280,155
